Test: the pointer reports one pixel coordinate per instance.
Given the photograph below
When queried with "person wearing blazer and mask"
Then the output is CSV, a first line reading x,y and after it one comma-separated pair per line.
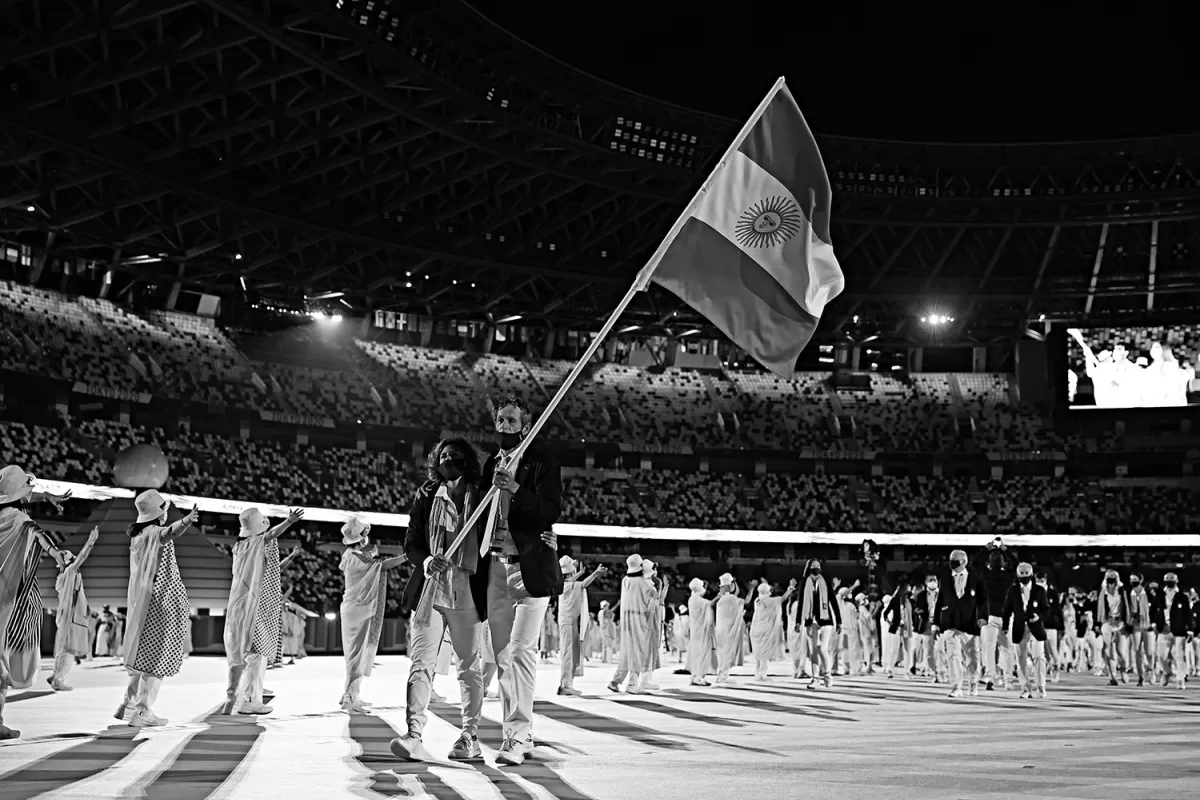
x,y
1172,613
1026,607
459,595
520,554
962,614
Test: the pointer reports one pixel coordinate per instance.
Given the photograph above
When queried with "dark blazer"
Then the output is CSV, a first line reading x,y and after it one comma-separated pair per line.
x,y
893,615
1054,612
968,613
416,547
924,615
1181,614
534,510
1032,616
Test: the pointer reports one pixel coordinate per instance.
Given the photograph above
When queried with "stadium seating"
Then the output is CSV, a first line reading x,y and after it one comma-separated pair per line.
x,y
177,356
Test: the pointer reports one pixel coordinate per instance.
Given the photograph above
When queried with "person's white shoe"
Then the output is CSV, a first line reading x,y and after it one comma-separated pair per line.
x,y
146,719
254,709
956,692
511,753
466,749
410,748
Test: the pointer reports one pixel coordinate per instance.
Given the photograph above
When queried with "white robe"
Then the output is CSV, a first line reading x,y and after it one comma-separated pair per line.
x,y
363,603
639,615
729,631
244,592
73,615
766,629
702,655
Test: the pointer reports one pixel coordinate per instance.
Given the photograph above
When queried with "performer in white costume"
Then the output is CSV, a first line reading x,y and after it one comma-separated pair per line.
x,y
159,610
639,601
650,570
702,647
22,544
572,622
730,626
609,639
71,638
255,611
364,600
766,628
679,632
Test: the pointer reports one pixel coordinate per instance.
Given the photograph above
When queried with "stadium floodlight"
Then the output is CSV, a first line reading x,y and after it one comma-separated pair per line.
x,y
242,281
510,318
237,257
328,296
937,319
31,209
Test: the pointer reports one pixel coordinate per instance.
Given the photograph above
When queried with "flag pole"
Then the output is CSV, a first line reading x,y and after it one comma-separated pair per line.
x,y
643,279
424,606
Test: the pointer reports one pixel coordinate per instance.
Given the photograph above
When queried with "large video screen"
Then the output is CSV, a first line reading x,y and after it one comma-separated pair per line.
x,y
1142,367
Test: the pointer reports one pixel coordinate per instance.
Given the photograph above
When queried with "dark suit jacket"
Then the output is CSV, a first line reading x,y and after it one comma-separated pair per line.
x,y
893,615
1181,614
416,547
925,615
534,510
968,613
1032,616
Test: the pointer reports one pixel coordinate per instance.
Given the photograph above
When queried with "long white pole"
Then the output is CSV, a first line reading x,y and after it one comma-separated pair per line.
x,y
639,285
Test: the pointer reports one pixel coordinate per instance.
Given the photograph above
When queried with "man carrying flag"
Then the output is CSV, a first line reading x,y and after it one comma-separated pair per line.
x,y
752,251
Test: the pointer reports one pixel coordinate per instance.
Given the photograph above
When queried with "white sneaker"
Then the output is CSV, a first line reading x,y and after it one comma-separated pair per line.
x,y
956,692
147,719
1025,695
410,748
511,753
254,709
653,687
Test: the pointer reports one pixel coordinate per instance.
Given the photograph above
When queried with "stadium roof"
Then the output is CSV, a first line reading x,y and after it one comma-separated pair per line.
x,y
418,158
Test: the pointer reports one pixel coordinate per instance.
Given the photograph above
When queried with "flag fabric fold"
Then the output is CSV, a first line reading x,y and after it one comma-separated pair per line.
x,y
754,253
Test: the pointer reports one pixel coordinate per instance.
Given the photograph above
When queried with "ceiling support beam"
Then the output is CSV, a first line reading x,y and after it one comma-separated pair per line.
x,y
1153,266
1087,306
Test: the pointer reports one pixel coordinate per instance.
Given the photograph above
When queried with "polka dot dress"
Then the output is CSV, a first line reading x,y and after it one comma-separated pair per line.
x,y
268,617
160,647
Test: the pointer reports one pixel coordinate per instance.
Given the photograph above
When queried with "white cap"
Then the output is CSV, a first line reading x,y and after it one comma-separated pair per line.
x,y
633,564
726,579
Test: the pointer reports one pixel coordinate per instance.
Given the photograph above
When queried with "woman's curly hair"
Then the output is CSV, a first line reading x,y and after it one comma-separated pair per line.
x,y
473,470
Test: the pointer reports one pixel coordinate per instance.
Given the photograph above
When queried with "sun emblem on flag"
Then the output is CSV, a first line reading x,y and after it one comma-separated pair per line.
x,y
768,223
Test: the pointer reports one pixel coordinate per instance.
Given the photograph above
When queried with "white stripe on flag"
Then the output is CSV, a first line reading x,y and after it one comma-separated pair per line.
x,y
804,265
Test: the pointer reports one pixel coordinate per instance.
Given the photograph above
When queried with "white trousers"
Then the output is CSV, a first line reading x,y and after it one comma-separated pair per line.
x,y
1030,648
63,663
962,657
515,621
466,635
570,651
246,680
820,640
993,638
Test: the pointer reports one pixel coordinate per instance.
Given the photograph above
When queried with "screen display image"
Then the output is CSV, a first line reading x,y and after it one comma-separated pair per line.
x,y
1142,367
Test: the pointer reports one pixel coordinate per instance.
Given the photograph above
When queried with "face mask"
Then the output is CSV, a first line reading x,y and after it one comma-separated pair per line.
x,y
1170,584
1135,584
931,587
452,469
1111,581
1025,578
956,564
815,571
510,440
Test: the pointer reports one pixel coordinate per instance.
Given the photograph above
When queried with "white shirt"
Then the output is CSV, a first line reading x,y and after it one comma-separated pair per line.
x,y
496,535
960,582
